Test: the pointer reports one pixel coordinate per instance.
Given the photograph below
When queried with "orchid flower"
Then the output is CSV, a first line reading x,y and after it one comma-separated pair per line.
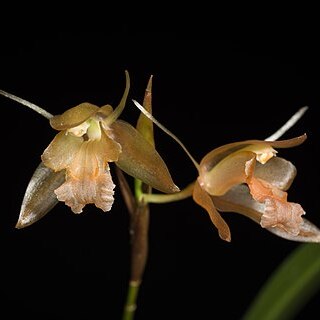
x,y
251,165
75,166
248,178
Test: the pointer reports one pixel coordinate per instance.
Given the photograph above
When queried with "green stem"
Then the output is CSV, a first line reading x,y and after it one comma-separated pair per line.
x,y
165,198
130,306
138,190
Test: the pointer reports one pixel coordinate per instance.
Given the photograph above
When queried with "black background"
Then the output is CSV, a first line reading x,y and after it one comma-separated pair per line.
x,y
209,91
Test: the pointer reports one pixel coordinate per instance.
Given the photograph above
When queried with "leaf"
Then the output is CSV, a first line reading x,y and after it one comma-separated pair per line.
x,y
292,284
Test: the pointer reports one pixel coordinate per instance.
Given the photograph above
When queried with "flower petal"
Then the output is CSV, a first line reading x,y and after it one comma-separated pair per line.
x,y
88,177
282,214
74,116
216,155
238,199
278,212
203,199
61,151
289,143
140,159
277,171
39,197
77,193
228,172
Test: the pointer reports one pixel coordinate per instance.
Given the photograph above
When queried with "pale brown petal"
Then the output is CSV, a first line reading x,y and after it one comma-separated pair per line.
x,y
238,199
289,143
88,178
261,190
140,159
282,214
228,172
107,148
216,155
74,116
278,212
61,151
203,199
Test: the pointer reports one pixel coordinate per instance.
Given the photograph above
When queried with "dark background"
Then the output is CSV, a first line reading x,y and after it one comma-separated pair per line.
x,y
209,91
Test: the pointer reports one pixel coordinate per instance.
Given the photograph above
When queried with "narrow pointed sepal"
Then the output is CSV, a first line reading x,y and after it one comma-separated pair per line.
x,y
39,197
140,159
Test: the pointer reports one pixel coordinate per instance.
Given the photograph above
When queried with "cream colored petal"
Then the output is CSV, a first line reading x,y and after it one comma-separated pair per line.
x,y
77,193
74,116
278,212
238,199
140,159
93,157
228,172
61,151
282,214
88,177
203,199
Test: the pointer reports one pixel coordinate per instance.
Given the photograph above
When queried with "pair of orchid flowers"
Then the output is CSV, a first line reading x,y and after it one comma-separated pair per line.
x,y
244,177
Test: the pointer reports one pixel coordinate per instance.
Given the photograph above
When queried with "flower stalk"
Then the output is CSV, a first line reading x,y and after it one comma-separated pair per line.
x,y
139,215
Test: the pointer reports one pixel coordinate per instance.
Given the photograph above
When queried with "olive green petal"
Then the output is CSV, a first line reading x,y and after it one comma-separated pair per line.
x,y
39,197
140,159
74,116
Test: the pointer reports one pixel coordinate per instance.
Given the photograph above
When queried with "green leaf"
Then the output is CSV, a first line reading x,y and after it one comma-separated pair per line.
x,y
292,284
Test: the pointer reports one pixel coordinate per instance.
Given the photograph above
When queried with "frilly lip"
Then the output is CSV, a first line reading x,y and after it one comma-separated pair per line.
x,y
238,199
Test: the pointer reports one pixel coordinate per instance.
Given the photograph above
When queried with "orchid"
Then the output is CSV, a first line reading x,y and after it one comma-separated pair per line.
x,y
248,178
75,166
